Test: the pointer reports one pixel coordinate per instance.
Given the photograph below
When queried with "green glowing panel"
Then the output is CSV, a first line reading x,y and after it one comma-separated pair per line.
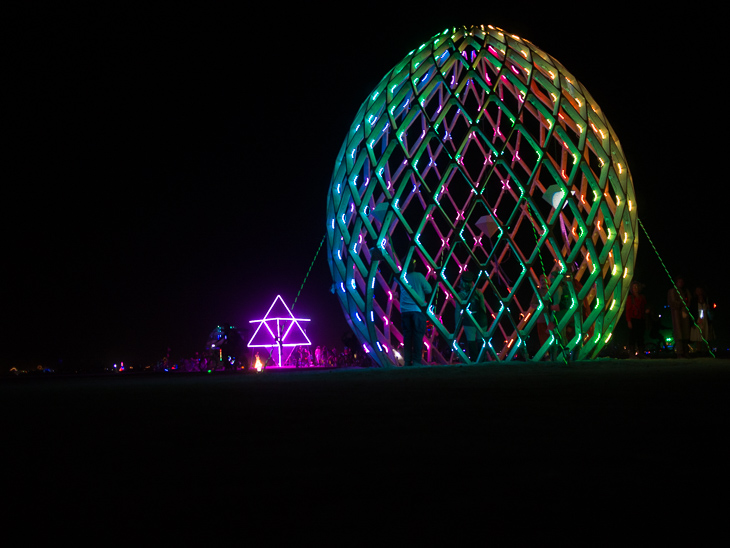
x,y
481,153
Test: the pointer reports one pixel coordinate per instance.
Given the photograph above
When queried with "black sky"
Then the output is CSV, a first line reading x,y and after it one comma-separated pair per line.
x,y
167,170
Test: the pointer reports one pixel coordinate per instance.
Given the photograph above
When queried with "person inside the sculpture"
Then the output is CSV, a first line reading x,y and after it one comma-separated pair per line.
x,y
702,331
557,304
679,301
636,312
413,320
582,311
542,320
472,300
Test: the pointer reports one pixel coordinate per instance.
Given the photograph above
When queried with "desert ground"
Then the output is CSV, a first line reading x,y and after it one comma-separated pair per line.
x,y
577,452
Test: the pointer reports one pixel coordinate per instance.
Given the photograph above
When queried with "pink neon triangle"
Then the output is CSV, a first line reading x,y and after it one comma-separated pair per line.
x,y
279,320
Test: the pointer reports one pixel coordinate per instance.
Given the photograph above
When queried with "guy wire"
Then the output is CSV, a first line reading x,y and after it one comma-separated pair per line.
x,y
707,344
308,271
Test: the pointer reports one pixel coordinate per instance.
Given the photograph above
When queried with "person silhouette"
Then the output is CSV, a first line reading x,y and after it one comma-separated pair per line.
x,y
636,311
678,299
413,320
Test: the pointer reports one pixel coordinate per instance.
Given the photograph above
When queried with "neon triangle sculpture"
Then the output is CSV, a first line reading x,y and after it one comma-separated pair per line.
x,y
279,328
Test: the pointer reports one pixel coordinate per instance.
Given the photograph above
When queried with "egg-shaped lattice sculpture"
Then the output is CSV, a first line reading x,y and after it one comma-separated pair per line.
x,y
479,153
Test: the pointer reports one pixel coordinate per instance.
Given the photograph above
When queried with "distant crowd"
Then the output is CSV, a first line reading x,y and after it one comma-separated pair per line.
x,y
688,326
262,358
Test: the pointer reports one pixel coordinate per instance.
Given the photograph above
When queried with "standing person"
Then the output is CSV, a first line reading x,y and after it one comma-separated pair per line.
x,y
473,300
678,299
542,319
702,332
636,311
555,307
413,320
559,306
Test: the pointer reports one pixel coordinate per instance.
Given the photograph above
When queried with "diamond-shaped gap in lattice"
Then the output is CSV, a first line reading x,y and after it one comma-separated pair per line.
x,y
380,320
524,301
519,62
549,185
542,90
591,297
345,213
521,154
378,203
359,178
535,134
611,234
488,67
453,126
472,97
444,304
568,130
371,217
468,50
400,242
510,93
598,237
594,155
585,271
480,231
570,231
434,232
398,96
391,167
431,162
434,99
605,285
500,196
423,77
414,130
377,141
541,101
455,195
502,335
504,269
451,71
458,260
563,155
614,190
497,122
525,234
412,203
476,159
587,192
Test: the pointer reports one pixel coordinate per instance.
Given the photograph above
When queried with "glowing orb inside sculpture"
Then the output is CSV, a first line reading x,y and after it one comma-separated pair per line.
x,y
479,153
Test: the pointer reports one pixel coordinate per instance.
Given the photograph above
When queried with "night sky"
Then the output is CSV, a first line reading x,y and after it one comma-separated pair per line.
x,y
168,171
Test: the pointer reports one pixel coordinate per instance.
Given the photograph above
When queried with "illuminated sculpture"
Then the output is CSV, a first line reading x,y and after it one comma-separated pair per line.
x,y
279,328
479,152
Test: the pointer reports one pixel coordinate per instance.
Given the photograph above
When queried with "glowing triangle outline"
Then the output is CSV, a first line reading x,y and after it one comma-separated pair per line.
x,y
265,323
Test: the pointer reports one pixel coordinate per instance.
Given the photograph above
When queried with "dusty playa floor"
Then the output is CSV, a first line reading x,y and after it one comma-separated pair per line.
x,y
422,451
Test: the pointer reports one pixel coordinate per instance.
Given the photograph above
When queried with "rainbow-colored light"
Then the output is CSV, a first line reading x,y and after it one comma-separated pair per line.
x,y
480,152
